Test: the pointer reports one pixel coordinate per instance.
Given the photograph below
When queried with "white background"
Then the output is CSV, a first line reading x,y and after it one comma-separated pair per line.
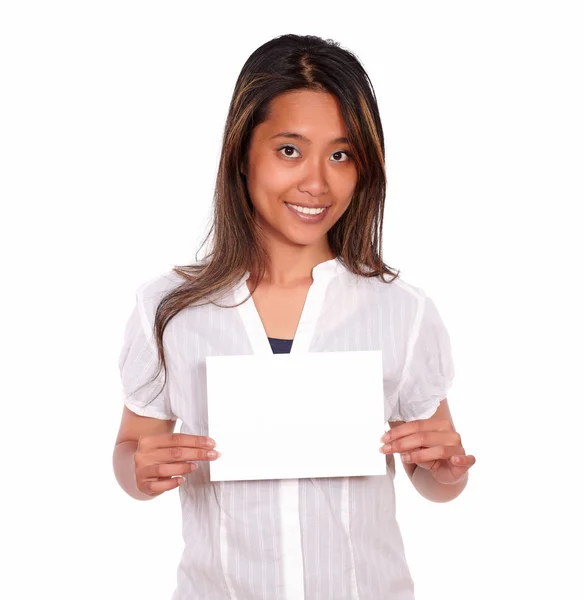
x,y
110,125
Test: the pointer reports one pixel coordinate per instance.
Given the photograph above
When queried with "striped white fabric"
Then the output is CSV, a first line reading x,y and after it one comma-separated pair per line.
x,y
312,539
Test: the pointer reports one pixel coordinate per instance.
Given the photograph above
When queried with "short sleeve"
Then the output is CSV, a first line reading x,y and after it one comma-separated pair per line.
x,y
138,363
429,367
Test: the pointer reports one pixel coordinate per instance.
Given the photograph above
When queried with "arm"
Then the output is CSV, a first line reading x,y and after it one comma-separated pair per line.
x,y
131,428
422,479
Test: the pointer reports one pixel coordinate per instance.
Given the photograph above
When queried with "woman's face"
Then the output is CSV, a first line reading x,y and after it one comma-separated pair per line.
x,y
309,166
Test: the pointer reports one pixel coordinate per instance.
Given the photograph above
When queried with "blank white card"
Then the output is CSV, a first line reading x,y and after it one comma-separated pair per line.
x,y
299,415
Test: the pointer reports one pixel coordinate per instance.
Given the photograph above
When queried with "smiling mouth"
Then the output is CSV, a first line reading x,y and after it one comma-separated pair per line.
x,y
307,211
308,215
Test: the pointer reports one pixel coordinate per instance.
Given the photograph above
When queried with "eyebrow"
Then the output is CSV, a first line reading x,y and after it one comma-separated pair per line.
x,y
298,136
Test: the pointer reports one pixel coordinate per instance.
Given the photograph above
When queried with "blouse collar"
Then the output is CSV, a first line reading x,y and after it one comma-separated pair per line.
x,y
322,271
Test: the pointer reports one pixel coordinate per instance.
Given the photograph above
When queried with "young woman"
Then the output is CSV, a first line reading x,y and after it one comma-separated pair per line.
x,y
294,266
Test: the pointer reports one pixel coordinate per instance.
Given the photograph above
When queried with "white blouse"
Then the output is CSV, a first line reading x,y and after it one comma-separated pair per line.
x,y
291,539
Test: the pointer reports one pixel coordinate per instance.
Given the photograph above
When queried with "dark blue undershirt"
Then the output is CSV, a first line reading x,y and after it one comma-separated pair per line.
x,y
280,346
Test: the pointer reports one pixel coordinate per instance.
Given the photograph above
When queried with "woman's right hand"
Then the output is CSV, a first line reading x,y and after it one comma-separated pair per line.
x,y
161,456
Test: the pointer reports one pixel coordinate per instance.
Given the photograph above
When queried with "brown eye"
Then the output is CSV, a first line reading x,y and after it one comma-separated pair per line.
x,y
289,148
339,153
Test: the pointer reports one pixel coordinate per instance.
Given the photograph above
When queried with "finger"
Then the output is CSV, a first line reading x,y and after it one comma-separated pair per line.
x,y
166,440
463,460
429,454
163,485
422,439
419,425
173,455
179,454
161,470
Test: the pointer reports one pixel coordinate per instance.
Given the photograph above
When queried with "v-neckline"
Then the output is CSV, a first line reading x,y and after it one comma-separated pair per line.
x,y
322,274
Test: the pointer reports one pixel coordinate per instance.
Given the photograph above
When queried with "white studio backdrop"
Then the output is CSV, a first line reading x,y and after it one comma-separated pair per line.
x,y
110,128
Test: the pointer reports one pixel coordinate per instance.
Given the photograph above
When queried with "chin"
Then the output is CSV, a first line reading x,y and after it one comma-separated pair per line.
x,y
302,234
304,238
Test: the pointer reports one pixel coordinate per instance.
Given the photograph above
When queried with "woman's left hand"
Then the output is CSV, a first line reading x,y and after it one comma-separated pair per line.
x,y
431,444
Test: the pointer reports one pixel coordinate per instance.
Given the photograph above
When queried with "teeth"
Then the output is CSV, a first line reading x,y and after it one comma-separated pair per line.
x,y
307,211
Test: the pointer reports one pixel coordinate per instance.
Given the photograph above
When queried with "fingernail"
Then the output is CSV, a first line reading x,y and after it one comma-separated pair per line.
x,y
212,454
384,437
405,457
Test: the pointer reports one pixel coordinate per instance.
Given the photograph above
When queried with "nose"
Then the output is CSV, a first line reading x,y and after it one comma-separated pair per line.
x,y
314,180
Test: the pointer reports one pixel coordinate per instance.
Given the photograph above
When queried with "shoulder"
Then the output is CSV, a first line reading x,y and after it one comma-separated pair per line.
x,y
394,291
150,292
158,286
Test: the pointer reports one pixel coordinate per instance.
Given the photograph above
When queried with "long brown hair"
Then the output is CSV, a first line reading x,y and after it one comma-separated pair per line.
x,y
285,63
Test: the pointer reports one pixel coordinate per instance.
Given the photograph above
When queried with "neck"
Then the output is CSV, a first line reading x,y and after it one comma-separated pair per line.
x,y
290,265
